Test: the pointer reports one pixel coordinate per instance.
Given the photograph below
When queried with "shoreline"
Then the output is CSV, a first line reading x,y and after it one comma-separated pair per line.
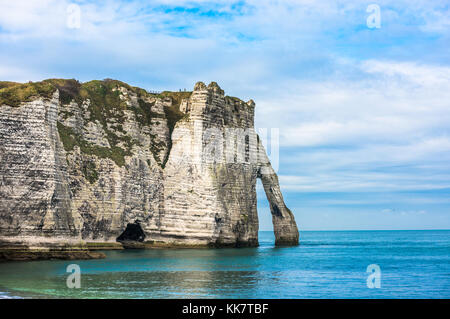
x,y
70,250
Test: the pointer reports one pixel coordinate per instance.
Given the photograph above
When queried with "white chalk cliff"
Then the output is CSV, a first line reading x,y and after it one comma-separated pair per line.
x,y
81,161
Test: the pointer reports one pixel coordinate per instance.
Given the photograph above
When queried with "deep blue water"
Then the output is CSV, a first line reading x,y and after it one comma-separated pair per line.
x,y
327,264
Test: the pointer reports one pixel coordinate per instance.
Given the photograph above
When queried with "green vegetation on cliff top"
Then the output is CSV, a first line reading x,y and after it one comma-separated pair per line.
x,y
105,107
13,94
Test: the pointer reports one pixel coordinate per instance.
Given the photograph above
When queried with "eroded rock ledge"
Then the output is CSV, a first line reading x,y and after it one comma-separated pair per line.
x,y
81,161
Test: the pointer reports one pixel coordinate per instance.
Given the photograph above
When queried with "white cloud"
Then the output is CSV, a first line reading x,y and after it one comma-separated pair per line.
x,y
403,212
412,73
362,182
387,130
405,99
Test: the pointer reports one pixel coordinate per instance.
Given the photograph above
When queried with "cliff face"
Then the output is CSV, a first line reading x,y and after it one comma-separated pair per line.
x,y
79,162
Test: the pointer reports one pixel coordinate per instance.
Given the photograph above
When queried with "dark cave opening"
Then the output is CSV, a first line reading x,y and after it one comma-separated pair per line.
x,y
133,232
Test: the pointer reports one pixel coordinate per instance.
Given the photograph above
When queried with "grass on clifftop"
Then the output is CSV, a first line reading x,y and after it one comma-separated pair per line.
x,y
105,107
13,94
6,84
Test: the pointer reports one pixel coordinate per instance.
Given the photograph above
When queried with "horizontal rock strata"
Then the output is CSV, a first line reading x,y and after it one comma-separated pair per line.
x,y
81,161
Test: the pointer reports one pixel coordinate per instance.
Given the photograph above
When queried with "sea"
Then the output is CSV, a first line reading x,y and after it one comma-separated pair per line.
x,y
326,264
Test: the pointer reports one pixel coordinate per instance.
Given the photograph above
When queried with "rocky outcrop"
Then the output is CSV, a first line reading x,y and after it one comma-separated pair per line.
x,y
81,161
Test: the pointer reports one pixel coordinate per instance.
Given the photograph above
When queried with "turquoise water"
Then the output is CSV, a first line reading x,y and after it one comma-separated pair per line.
x,y
414,264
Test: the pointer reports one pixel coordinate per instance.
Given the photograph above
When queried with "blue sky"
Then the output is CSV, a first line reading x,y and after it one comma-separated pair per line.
x,y
363,113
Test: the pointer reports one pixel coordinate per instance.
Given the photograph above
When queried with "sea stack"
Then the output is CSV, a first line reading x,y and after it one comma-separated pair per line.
x,y
81,161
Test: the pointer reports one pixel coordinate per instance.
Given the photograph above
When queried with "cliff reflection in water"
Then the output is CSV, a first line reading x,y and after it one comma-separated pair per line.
x,y
165,273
